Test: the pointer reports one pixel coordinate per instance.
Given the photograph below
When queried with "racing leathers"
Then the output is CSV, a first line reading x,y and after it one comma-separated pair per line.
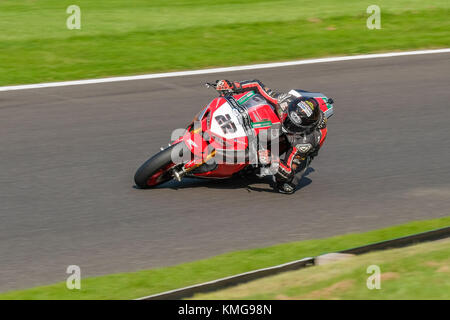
x,y
304,145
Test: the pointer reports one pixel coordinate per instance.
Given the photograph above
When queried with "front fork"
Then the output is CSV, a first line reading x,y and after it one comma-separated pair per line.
x,y
179,173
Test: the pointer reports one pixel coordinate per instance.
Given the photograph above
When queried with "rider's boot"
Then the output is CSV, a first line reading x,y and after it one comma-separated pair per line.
x,y
285,187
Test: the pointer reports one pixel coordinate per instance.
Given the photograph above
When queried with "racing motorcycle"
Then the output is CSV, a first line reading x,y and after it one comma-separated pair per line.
x,y
233,134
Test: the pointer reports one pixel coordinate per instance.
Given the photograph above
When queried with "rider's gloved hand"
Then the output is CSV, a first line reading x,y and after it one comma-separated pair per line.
x,y
227,86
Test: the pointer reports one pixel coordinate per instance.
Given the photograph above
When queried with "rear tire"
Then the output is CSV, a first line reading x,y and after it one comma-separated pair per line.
x,y
152,166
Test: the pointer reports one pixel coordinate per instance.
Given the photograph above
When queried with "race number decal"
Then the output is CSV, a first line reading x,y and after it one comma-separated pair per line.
x,y
226,123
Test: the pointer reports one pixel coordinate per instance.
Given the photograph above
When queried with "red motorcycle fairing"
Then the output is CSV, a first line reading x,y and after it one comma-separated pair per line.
x,y
219,128
224,125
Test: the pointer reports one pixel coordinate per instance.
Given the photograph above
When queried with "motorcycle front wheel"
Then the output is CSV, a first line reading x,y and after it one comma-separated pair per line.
x,y
155,170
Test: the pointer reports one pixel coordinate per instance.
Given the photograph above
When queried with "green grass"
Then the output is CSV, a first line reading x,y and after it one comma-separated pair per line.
x,y
138,36
417,272
142,283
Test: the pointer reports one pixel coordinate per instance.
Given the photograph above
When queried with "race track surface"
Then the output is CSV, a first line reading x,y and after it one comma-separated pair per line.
x,y
68,156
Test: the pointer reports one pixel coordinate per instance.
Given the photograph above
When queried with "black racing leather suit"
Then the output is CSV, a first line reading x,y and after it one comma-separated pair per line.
x,y
302,144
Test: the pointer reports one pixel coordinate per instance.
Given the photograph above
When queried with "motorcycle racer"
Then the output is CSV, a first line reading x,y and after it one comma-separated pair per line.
x,y
302,121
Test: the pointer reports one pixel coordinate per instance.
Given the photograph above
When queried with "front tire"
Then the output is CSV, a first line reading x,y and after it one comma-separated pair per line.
x,y
154,171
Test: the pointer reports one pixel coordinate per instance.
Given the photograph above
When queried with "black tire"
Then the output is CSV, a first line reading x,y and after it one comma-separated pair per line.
x,y
151,166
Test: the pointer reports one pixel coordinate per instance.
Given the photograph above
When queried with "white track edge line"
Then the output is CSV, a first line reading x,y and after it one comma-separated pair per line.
x,y
220,70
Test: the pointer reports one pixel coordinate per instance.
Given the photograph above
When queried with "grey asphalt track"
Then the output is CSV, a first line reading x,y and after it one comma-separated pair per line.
x,y
68,156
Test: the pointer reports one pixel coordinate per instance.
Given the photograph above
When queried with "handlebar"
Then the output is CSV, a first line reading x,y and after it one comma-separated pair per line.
x,y
210,85
214,86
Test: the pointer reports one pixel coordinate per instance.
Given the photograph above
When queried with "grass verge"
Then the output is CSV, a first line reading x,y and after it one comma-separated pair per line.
x,y
416,272
137,284
139,36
